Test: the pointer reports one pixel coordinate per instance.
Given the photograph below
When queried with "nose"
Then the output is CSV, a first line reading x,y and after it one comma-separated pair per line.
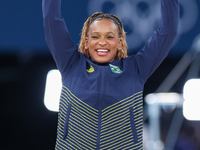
x,y
102,42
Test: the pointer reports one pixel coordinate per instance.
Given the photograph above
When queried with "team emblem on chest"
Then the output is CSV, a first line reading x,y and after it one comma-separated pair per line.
x,y
91,69
115,69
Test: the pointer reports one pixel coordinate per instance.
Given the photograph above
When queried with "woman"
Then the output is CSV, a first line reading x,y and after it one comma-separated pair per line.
x,y
101,105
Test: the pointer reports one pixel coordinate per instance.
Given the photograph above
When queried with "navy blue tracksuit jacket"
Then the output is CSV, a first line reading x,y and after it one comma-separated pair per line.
x,y
101,105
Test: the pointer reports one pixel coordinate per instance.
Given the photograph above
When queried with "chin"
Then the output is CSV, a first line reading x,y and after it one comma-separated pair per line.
x,y
102,60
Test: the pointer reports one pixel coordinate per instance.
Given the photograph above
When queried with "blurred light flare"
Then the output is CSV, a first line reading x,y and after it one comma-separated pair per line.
x,y
53,90
191,94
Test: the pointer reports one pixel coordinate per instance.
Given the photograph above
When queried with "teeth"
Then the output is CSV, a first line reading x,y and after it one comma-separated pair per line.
x,y
102,50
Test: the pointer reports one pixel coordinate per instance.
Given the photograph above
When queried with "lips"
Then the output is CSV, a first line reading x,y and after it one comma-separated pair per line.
x,y
102,52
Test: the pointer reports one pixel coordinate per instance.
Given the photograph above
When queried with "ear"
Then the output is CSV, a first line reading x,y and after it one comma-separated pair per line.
x,y
120,43
86,42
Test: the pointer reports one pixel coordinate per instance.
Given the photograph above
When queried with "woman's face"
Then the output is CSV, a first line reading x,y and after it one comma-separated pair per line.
x,y
103,41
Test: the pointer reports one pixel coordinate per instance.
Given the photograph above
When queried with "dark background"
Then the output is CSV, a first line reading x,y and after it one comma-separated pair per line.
x,y
25,61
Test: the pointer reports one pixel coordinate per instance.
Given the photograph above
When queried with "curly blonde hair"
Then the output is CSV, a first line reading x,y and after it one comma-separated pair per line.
x,y
121,53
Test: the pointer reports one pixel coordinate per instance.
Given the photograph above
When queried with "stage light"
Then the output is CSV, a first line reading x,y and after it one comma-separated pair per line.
x,y
163,98
155,102
53,90
191,94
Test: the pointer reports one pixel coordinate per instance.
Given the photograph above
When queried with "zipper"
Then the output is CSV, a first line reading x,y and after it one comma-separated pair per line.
x,y
133,126
67,122
101,88
99,131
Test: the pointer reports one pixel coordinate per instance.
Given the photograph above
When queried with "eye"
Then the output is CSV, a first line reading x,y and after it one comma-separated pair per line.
x,y
110,37
95,37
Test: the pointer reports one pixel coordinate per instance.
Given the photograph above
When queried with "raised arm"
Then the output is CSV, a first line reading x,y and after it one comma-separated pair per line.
x,y
56,33
158,46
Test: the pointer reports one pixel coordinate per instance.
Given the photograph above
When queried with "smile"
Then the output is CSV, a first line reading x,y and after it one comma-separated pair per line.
x,y
102,52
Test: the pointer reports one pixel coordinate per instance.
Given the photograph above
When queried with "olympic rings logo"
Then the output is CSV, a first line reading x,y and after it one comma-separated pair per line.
x,y
140,17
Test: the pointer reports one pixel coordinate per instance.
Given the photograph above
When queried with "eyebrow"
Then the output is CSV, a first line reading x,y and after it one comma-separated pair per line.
x,y
106,32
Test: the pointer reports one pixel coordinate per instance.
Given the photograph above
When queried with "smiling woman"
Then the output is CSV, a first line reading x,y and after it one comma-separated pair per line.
x,y
101,103
111,26
103,41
